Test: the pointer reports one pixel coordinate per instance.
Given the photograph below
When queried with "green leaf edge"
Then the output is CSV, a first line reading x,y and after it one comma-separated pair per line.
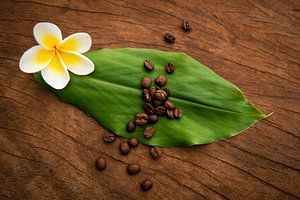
x,y
260,116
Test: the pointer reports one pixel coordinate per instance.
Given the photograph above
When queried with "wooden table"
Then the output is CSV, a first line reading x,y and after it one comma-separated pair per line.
x,y
48,148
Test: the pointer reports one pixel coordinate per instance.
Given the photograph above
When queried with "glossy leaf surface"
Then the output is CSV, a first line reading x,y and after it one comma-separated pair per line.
x,y
213,108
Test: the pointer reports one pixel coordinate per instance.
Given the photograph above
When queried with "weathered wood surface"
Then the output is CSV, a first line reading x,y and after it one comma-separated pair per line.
x,y
48,148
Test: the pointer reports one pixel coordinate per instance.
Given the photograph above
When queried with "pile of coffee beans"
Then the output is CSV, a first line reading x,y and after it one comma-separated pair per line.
x,y
156,102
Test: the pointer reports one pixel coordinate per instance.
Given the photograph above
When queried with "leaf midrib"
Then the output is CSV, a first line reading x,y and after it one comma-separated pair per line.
x,y
183,100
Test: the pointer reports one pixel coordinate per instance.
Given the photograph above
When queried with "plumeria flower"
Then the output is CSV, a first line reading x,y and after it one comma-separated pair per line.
x,y
54,56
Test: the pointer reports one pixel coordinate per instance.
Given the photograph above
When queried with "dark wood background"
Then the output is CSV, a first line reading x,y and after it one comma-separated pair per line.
x,y
48,148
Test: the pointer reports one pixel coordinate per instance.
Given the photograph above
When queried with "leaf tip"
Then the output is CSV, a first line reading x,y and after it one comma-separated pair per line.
x,y
268,115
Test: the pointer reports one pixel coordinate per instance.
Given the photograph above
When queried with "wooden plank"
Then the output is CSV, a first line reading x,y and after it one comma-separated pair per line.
x,y
48,148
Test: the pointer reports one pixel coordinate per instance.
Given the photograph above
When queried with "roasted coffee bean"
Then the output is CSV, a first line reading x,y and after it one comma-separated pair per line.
x,y
167,91
155,152
169,105
146,185
169,68
186,26
146,95
148,65
141,115
110,138
124,148
160,110
177,113
152,91
161,95
170,114
133,142
157,102
148,108
146,82
100,163
161,80
130,127
133,169
141,119
169,38
152,119
149,132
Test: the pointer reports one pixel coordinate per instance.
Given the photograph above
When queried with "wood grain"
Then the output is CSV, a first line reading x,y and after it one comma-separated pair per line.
x,y
48,148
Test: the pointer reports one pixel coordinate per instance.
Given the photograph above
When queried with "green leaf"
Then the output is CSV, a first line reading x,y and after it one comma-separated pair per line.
x,y
213,108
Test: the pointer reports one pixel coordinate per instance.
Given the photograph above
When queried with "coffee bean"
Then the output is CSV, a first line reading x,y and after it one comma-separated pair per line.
x,y
100,163
169,38
124,148
160,110
133,142
142,115
152,119
130,127
146,95
186,26
169,68
133,169
167,91
146,185
146,82
170,114
157,102
149,132
110,138
148,108
152,91
161,80
141,119
169,105
178,113
155,152
148,65
161,95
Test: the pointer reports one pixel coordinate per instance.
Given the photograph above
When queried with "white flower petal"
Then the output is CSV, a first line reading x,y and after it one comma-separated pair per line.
x,y
47,34
35,59
77,63
79,42
56,74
